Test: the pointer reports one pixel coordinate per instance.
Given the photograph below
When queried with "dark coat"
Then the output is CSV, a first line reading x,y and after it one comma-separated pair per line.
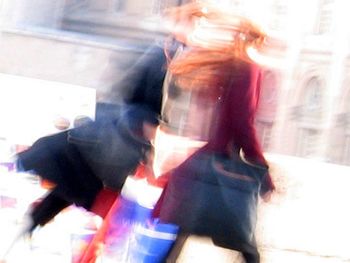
x,y
83,160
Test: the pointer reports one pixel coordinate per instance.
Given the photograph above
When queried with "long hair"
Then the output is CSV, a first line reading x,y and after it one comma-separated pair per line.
x,y
216,38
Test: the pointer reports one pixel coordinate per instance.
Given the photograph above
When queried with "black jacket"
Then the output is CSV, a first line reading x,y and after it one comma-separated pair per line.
x,y
83,160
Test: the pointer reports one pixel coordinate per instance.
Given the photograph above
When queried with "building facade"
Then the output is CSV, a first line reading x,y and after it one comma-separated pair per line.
x,y
303,110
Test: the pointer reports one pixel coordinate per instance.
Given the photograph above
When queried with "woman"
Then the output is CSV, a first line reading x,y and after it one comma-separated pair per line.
x,y
211,95
219,74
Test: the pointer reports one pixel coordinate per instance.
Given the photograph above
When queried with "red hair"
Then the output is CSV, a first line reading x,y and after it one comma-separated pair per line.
x,y
202,64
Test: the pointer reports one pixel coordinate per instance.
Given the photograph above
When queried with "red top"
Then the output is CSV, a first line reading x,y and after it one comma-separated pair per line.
x,y
234,121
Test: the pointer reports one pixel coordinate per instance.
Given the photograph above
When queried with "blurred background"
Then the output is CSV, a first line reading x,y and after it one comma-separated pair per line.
x,y
92,44
59,57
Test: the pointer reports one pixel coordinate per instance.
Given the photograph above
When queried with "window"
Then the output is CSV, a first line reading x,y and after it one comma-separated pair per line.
x,y
346,151
279,12
313,96
268,90
232,3
307,142
265,131
120,19
345,122
75,5
325,17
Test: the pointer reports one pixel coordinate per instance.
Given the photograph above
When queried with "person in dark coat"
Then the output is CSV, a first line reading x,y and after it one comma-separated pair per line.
x,y
84,161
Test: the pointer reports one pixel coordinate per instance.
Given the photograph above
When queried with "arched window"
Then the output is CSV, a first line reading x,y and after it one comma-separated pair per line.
x,y
312,101
267,109
346,128
268,89
307,145
309,133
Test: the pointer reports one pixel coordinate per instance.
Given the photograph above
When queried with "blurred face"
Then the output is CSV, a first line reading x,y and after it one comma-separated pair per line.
x,y
200,31
182,28
198,24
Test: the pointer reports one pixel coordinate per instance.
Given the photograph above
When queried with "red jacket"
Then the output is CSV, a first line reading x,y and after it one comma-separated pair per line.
x,y
234,121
